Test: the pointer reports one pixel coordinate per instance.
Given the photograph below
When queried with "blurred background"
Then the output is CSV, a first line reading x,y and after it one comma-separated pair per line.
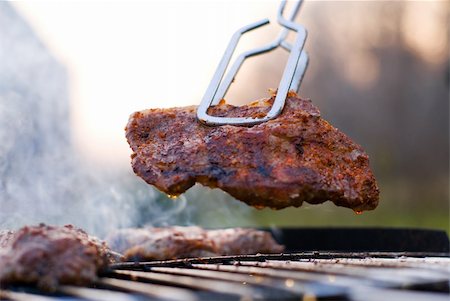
x,y
72,72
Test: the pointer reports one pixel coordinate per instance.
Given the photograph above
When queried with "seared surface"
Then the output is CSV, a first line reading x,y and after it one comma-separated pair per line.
x,y
48,256
243,241
184,242
294,158
160,243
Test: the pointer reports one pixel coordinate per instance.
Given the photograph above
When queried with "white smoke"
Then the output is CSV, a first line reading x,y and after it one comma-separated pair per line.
x,y
42,178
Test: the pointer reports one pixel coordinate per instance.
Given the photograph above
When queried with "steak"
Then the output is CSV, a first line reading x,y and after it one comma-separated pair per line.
x,y
297,157
48,256
243,241
138,244
160,243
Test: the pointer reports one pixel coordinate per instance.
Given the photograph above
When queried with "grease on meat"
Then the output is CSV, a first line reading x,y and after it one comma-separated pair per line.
x,y
49,255
183,242
297,157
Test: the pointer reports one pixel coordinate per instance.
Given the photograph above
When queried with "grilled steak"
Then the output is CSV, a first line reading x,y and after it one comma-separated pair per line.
x,y
160,243
48,256
243,241
183,242
297,157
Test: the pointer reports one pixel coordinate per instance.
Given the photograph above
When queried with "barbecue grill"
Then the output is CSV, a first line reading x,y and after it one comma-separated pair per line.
x,y
319,264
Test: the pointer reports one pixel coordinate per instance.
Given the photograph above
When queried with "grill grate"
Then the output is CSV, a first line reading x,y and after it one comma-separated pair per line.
x,y
299,276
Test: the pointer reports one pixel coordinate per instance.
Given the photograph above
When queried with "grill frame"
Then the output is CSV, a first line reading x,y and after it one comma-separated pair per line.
x,y
366,239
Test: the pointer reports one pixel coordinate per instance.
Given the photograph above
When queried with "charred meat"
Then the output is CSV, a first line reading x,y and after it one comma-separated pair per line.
x,y
297,157
243,241
160,243
183,242
48,256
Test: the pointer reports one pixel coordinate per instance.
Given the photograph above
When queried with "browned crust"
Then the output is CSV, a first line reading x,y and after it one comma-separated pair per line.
x,y
141,244
294,158
48,256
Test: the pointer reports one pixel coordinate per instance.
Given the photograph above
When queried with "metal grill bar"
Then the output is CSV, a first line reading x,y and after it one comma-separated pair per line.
x,y
298,288
295,276
19,296
441,265
410,271
189,282
95,294
376,294
243,289
382,274
148,289
307,276
389,278
280,257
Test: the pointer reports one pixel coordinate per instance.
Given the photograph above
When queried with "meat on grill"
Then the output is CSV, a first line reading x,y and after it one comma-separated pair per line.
x,y
297,157
160,243
48,256
183,242
243,241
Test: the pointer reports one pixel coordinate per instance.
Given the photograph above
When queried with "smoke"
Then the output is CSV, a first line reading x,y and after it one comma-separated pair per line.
x,y
42,178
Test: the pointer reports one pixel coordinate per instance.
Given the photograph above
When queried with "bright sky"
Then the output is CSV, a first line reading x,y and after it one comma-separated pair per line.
x,y
124,56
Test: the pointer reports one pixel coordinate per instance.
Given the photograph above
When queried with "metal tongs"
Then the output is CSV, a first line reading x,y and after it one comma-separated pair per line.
x,y
291,79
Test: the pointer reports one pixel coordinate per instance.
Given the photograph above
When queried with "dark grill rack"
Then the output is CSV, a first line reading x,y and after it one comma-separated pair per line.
x,y
300,276
353,264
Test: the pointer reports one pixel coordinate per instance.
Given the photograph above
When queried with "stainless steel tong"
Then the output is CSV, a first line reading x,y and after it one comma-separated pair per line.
x,y
291,78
